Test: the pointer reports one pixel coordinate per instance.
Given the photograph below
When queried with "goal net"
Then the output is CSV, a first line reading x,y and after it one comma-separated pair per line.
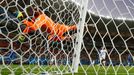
x,y
57,37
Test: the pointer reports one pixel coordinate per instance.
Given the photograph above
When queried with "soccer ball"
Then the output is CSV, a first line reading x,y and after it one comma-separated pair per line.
x,y
21,38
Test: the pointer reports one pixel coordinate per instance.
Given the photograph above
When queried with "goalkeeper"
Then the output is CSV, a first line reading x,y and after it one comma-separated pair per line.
x,y
55,30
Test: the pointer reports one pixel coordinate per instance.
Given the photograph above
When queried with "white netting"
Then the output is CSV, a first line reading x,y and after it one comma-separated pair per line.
x,y
37,36
53,36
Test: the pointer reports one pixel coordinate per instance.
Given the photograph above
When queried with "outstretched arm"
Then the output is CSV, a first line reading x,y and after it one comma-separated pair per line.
x,y
73,27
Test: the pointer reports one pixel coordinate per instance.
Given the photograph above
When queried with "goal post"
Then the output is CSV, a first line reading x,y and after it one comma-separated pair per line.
x,y
79,35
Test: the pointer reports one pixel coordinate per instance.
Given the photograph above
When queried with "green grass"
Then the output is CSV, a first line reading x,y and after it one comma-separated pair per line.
x,y
86,69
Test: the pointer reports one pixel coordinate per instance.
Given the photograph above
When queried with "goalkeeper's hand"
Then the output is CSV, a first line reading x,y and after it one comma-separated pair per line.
x,y
19,14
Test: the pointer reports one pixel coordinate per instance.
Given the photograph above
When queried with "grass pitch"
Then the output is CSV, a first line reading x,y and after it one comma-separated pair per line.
x,y
83,70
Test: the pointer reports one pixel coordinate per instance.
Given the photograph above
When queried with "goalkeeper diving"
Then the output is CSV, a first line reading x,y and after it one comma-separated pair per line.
x,y
56,30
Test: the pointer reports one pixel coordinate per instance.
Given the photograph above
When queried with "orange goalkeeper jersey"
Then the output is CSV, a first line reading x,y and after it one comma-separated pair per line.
x,y
56,30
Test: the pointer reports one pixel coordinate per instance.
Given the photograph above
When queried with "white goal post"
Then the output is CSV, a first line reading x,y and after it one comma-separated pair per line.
x,y
79,36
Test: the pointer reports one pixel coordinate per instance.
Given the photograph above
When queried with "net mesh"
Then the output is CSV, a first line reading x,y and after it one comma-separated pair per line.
x,y
40,37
